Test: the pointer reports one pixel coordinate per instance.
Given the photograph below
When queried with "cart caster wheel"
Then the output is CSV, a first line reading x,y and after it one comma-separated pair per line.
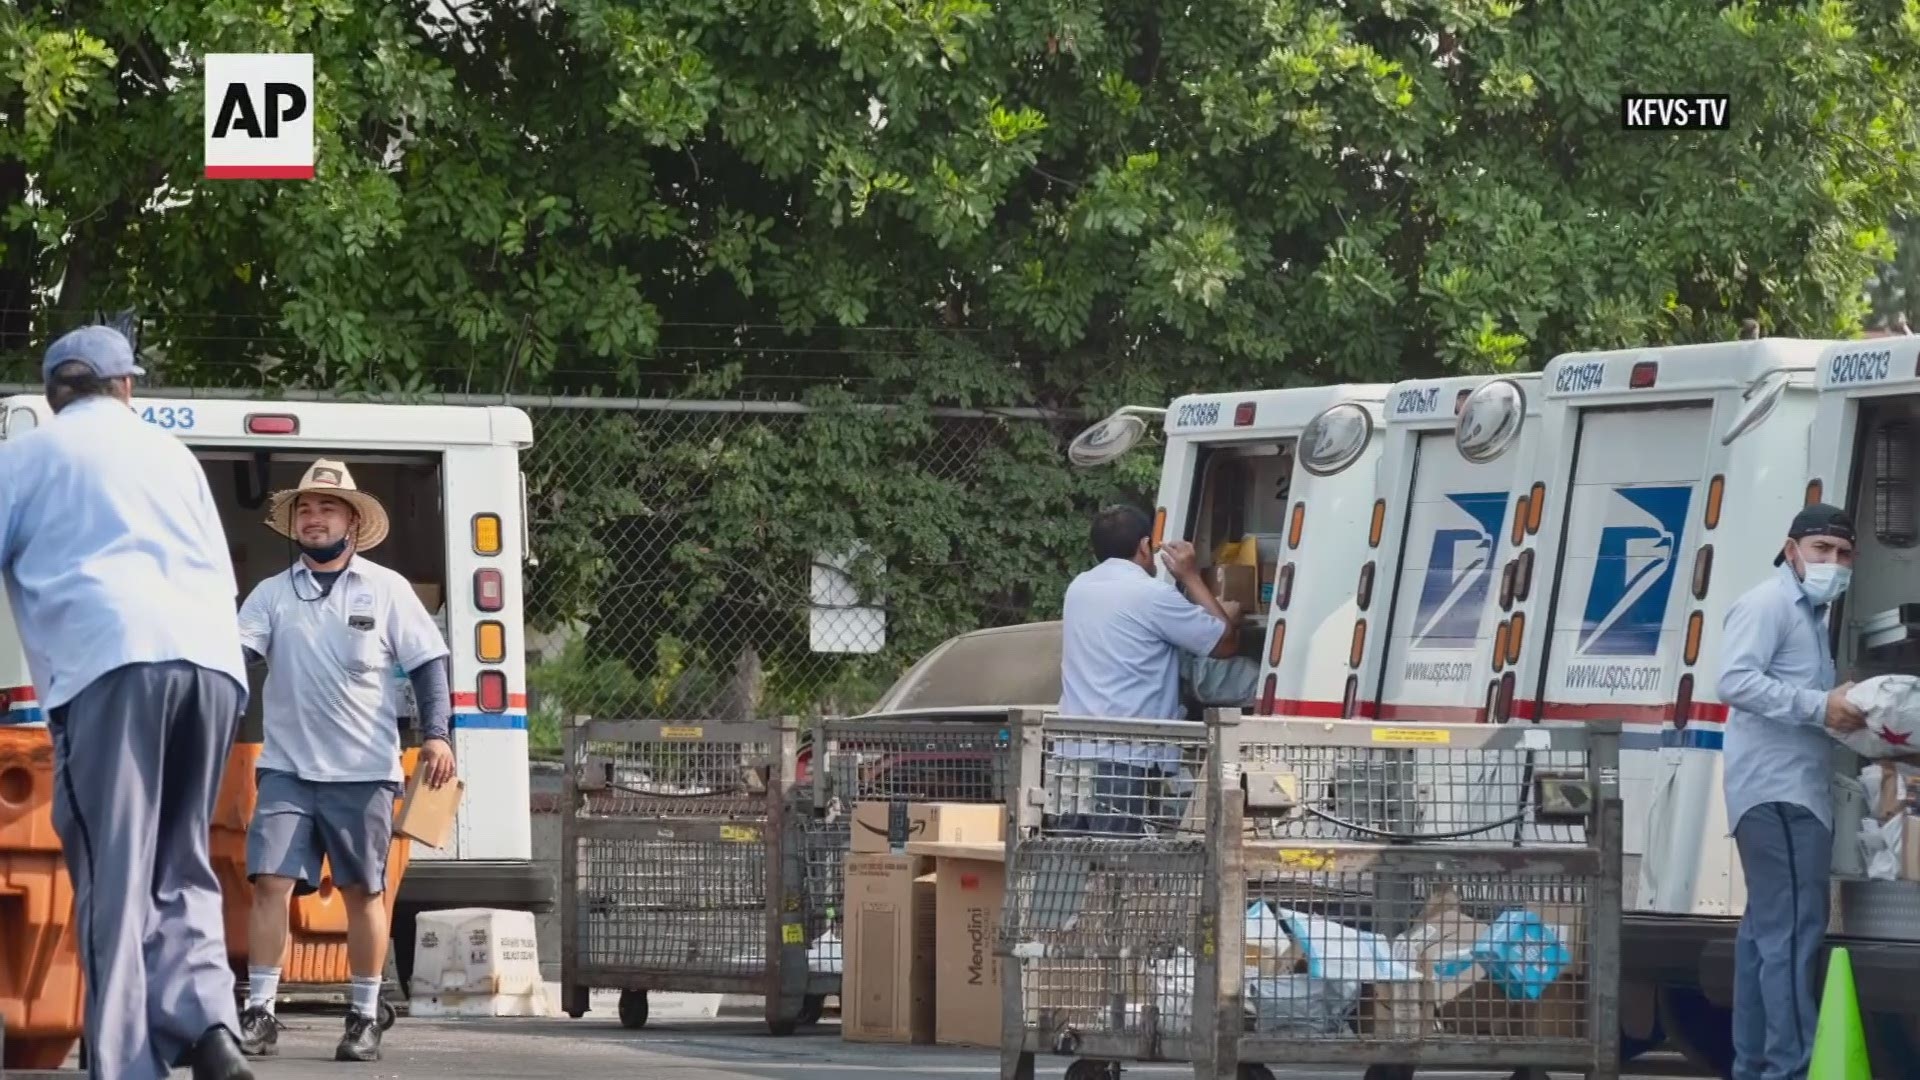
x,y
633,1009
1256,1072
1389,1072
812,1009
1529,1074
1085,1069
388,1014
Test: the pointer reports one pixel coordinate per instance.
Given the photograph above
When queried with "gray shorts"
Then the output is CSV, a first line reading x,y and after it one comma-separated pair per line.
x,y
296,822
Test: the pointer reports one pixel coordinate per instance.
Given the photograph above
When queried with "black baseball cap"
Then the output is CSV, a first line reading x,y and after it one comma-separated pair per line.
x,y
1820,519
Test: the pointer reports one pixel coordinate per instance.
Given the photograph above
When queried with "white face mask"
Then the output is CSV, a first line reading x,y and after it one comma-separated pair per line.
x,y
1824,582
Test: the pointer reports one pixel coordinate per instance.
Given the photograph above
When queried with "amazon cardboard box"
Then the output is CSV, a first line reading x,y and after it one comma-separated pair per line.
x,y
967,987
886,991
944,823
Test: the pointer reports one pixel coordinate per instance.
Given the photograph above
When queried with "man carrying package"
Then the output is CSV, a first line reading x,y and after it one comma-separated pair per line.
x,y
1777,678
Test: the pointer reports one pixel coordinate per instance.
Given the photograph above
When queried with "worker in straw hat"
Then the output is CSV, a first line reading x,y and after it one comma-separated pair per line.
x,y
331,630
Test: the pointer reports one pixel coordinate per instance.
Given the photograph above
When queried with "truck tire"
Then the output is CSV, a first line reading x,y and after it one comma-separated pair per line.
x,y
1700,1030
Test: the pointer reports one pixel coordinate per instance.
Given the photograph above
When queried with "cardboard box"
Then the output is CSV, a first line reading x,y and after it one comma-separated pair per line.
x,y
946,823
966,995
426,814
887,991
1443,931
1239,584
477,962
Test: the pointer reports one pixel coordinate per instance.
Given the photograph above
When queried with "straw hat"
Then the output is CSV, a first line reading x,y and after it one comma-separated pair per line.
x,y
331,478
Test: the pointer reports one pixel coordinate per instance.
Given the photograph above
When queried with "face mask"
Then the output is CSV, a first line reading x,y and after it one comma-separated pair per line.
x,y
325,554
1824,582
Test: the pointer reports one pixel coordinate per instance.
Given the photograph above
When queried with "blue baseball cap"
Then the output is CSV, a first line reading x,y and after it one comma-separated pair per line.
x,y
104,350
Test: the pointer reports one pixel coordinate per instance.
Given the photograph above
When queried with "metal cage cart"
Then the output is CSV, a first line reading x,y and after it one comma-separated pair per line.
x,y
1406,897
956,761
1104,919
678,870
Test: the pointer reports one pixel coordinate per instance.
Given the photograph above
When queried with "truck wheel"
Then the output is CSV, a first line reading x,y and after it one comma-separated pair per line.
x,y
1088,1069
1389,1072
1700,1030
1256,1072
633,1009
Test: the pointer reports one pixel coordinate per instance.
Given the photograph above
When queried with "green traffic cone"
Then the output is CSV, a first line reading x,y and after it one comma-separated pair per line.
x,y
1839,1043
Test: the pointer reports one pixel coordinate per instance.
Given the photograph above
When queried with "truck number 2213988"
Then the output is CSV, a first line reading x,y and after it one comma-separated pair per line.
x,y
175,418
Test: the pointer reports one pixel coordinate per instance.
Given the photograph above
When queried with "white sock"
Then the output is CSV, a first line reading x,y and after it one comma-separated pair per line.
x,y
263,985
366,997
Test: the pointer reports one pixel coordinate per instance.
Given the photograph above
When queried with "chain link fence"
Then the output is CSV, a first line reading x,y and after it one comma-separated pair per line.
x,y
729,561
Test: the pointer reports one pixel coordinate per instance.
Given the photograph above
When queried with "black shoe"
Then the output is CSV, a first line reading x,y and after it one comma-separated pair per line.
x,y
259,1032
217,1057
362,1040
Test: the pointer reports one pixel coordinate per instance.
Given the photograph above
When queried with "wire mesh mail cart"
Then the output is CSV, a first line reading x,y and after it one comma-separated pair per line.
x,y
1103,916
1440,896
948,761
681,869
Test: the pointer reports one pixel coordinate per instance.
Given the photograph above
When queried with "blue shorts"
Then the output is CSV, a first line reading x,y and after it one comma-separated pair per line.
x,y
297,822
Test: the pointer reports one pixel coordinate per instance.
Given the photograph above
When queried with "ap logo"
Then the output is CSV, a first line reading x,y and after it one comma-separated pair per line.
x,y
1633,576
1459,566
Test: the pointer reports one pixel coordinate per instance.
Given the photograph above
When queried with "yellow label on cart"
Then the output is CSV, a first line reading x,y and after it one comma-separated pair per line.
x,y
739,834
1412,736
671,732
793,934
1305,859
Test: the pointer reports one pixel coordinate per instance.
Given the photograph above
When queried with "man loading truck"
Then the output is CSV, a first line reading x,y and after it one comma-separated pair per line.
x,y
1777,675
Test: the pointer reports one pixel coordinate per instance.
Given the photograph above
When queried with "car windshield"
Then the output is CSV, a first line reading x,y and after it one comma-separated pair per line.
x,y
1001,669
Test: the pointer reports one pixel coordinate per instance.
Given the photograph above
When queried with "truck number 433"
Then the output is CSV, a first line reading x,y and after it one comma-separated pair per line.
x,y
171,417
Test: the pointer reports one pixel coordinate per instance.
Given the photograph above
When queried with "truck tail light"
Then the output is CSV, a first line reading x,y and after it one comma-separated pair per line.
x,y
1503,702
490,642
1350,698
1702,571
1683,702
492,691
1644,374
1267,693
486,534
272,424
489,592
1523,577
1283,588
1364,594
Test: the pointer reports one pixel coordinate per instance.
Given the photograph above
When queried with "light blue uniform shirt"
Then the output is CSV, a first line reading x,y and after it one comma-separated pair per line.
x,y
112,551
1776,670
1122,632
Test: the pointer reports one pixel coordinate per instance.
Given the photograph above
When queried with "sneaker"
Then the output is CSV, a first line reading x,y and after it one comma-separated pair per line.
x,y
259,1032
361,1041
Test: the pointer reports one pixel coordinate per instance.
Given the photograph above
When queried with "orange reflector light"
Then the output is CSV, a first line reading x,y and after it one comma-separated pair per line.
x,y
1716,490
1500,647
1644,374
490,642
1379,524
1297,525
492,691
1515,635
1702,571
1813,492
1279,643
486,534
1359,645
1520,520
1159,527
1696,622
1536,508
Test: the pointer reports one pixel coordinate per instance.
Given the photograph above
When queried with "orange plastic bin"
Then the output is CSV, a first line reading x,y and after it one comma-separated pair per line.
x,y
41,995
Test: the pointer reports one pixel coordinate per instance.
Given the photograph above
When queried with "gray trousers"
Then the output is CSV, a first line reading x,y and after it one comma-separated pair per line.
x,y
138,756
1787,855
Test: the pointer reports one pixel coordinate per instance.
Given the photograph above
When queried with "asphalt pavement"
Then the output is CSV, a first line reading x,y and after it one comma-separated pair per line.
x,y
594,1047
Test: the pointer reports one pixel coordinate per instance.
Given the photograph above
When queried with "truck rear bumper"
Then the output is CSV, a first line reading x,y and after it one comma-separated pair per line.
x,y
449,883
1699,952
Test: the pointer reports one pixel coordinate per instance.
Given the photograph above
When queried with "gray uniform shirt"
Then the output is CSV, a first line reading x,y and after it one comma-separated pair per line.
x,y
1775,671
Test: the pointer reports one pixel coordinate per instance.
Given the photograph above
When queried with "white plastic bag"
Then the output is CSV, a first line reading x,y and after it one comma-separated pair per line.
x,y
823,956
1340,952
1892,707
1883,843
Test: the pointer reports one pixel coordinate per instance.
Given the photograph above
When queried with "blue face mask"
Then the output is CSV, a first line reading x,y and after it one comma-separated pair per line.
x,y
1824,582
325,554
